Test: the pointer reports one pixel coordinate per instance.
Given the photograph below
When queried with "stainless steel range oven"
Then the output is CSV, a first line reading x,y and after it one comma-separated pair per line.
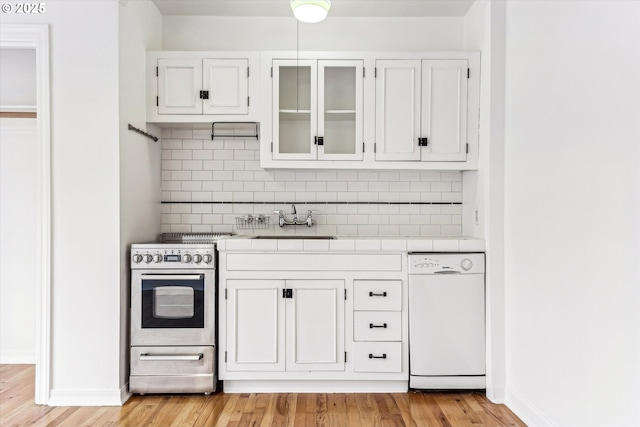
x,y
173,318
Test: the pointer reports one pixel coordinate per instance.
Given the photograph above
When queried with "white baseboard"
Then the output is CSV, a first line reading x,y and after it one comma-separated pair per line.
x,y
526,410
87,397
495,394
314,386
17,357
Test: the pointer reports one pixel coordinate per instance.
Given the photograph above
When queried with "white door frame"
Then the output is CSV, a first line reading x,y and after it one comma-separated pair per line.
x,y
23,36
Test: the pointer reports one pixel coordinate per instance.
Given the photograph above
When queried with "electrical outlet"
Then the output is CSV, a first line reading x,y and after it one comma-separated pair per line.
x,y
476,215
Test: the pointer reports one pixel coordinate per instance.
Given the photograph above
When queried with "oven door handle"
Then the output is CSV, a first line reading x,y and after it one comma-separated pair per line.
x,y
171,276
171,357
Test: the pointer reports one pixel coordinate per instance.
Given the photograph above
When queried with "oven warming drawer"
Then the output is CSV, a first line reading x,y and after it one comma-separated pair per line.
x,y
188,369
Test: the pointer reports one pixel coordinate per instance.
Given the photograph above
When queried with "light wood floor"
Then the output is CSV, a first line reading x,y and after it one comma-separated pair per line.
x,y
234,410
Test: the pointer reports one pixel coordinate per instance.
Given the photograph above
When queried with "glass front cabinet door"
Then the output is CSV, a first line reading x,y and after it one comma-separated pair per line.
x,y
318,109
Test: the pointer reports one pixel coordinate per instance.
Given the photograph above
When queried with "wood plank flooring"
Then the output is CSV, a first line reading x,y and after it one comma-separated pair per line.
x,y
255,410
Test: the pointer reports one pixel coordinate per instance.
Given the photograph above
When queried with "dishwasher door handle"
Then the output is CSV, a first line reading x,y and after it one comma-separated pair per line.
x,y
448,272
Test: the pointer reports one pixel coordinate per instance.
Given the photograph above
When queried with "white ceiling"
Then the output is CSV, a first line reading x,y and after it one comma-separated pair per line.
x,y
339,8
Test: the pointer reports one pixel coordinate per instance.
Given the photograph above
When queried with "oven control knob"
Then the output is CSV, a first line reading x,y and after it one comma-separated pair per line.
x,y
197,258
207,258
137,258
186,258
148,258
157,258
466,264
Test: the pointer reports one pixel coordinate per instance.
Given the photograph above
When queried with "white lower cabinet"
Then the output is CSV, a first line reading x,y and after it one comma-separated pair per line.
x,y
278,325
378,357
377,325
255,325
315,325
312,322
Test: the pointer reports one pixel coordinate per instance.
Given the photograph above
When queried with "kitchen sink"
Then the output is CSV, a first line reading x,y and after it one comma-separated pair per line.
x,y
289,237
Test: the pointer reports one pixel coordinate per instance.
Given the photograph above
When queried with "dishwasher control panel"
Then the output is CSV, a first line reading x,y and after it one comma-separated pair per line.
x,y
446,263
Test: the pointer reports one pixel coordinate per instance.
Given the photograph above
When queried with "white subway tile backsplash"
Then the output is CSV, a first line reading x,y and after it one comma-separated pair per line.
x,y
202,134
191,186
226,176
181,154
202,155
212,185
201,196
192,165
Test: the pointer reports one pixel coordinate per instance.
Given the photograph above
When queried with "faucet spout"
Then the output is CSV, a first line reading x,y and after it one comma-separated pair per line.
x,y
293,208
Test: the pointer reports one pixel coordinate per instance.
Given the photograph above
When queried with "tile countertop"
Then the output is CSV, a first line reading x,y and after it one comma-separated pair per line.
x,y
350,243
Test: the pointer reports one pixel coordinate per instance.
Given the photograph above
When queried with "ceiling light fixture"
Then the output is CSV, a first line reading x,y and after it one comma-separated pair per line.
x,y
310,11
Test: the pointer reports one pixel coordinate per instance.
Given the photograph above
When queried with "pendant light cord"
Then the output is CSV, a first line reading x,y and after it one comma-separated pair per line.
x,y
297,66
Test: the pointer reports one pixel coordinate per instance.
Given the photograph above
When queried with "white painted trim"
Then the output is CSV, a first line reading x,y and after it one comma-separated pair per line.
x,y
494,211
525,410
17,357
314,386
36,36
86,397
18,108
124,393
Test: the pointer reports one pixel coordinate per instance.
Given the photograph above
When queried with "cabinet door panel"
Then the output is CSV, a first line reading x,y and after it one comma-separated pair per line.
x,y
294,109
340,109
397,109
444,109
227,82
315,325
255,325
179,82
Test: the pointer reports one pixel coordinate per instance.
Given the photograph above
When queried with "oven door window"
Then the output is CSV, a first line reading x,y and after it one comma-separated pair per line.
x,y
173,301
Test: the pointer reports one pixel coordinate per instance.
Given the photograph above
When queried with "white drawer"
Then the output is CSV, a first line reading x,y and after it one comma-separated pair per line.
x,y
377,295
377,357
172,360
377,326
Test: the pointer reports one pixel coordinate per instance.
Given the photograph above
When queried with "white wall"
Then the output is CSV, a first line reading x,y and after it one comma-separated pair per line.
x,y
18,207
483,190
85,199
18,82
572,231
345,34
140,29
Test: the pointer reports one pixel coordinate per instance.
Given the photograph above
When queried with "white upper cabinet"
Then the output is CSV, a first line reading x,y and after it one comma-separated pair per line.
x,y
397,109
444,110
179,82
381,110
199,87
226,84
421,110
317,111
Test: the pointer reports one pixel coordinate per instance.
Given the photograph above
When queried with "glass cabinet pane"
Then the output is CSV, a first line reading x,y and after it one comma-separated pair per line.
x,y
295,109
340,104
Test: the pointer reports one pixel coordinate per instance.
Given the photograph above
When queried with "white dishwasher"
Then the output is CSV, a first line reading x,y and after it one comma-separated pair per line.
x,y
446,321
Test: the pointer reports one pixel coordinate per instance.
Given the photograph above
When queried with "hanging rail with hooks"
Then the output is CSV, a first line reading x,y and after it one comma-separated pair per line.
x,y
148,135
252,133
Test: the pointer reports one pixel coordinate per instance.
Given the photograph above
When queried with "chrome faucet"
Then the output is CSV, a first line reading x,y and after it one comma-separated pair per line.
x,y
282,220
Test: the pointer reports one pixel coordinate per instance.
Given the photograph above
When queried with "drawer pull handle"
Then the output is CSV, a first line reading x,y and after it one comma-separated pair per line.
x,y
171,357
384,356
371,326
372,294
